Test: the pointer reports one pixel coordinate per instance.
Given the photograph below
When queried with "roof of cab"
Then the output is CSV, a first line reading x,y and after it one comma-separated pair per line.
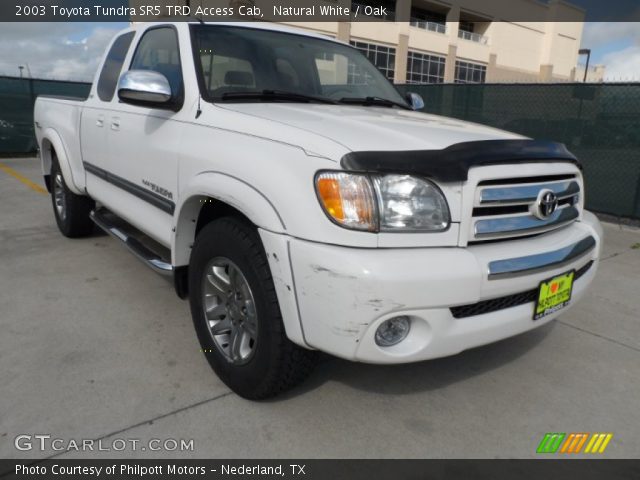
x,y
275,27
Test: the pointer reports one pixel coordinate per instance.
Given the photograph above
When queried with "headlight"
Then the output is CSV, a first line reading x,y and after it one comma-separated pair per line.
x,y
388,203
410,204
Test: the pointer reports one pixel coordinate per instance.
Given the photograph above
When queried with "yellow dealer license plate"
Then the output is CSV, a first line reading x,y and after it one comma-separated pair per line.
x,y
554,294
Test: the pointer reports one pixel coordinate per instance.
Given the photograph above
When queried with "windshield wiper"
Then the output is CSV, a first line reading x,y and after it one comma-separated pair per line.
x,y
275,95
373,101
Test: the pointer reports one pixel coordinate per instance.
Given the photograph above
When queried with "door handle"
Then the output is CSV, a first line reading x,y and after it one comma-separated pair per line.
x,y
100,121
115,124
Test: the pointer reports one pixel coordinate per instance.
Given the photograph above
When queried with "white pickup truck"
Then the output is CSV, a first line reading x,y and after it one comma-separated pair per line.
x,y
302,204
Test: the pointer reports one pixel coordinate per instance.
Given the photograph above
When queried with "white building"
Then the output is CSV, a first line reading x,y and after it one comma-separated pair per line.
x,y
453,41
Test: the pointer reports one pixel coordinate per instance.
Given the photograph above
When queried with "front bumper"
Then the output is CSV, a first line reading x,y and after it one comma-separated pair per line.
x,y
342,295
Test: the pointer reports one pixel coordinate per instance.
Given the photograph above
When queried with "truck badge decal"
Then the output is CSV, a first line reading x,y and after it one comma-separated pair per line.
x,y
157,189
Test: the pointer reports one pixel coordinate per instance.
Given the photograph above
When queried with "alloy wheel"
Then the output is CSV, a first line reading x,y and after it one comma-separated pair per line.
x,y
229,310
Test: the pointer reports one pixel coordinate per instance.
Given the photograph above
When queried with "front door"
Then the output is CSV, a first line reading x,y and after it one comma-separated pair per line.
x,y
144,142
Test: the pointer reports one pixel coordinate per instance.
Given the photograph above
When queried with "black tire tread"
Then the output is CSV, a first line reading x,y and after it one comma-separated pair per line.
x,y
292,364
77,223
295,363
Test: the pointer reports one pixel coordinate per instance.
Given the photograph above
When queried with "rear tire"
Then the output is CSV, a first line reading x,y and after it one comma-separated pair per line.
x,y
70,210
236,313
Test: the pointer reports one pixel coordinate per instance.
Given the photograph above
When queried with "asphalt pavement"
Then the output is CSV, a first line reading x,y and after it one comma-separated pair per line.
x,y
95,346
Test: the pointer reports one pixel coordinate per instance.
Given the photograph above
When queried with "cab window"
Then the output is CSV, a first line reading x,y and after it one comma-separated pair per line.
x,y
158,51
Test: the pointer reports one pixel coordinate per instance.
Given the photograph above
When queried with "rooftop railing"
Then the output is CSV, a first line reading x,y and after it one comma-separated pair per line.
x,y
473,37
431,26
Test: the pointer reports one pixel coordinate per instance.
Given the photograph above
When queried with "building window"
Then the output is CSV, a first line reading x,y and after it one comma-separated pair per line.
x,y
328,56
467,72
422,68
382,57
427,20
466,26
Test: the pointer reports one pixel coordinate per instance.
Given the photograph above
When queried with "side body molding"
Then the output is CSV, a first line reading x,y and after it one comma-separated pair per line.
x,y
228,189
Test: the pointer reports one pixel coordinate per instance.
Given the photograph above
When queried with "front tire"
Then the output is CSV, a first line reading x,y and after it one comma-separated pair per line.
x,y
236,313
70,210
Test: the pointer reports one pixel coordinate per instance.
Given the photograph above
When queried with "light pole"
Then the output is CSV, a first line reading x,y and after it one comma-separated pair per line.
x,y
587,52
22,67
31,92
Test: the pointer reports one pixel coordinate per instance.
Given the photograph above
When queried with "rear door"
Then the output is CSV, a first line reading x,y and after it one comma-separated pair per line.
x,y
93,124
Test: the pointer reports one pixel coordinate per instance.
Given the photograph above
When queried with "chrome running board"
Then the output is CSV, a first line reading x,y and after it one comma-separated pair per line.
x,y
145,254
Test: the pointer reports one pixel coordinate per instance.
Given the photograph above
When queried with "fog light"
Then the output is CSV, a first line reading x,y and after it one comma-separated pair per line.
x,y
393,331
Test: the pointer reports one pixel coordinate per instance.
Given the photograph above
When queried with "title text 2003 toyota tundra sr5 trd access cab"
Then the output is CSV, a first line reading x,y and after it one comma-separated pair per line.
x,y
301,203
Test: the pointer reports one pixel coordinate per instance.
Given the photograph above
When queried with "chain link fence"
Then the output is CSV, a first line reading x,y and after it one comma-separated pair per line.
x,y
600,123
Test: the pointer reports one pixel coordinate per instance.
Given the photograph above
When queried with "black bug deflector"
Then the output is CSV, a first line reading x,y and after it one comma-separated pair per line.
x,y
452,164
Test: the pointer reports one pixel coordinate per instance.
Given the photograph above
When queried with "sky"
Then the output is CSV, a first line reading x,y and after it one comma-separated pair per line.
x,y
615,45
72,51
60,51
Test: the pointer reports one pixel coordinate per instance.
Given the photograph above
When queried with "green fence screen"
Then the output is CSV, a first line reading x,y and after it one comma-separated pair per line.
x,y
17,97
600,123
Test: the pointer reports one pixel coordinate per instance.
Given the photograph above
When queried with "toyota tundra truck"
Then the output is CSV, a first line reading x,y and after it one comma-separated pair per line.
x,y
303,205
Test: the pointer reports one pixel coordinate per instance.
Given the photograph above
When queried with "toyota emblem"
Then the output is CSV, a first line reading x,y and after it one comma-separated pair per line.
x,y
546,204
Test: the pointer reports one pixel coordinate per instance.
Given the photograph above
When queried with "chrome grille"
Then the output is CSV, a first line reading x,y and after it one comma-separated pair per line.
x,y
517,195
507,208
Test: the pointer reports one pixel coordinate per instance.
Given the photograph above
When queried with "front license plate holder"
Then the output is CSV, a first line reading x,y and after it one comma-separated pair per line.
x,y
553,294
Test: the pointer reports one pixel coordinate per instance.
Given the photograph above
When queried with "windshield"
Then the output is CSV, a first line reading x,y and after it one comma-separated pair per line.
x,y
234,60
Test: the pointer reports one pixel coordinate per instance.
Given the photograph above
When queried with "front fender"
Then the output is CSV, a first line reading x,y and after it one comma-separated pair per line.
x,y
228,189
52,142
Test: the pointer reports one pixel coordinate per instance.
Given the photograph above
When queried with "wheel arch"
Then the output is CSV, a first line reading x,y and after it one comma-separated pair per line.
x,y
213,195
46,156
52,145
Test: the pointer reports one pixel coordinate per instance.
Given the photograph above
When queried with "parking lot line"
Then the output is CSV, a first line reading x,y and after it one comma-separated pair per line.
x,y
33,186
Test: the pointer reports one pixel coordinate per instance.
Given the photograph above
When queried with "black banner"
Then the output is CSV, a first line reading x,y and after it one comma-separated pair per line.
x,y
324,469
308,10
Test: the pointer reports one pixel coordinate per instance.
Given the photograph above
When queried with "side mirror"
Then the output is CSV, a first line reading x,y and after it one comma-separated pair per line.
x,y
415,100
146,88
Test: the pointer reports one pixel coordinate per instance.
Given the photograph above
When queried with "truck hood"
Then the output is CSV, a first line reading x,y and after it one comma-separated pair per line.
x,y
360,128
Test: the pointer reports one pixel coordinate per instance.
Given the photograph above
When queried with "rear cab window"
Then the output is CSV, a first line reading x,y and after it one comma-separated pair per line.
x,y
110,73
